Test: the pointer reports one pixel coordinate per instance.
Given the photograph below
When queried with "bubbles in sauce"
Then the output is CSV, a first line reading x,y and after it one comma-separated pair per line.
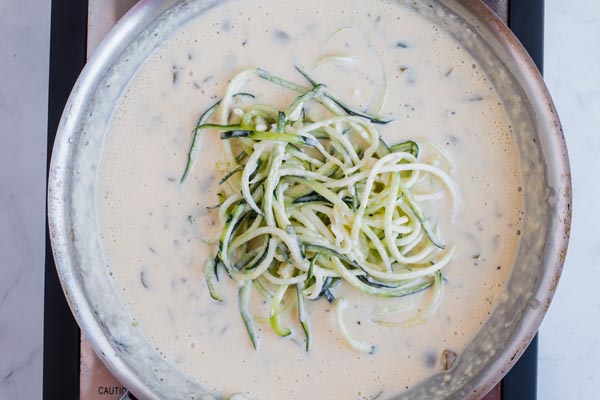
x,y
155,231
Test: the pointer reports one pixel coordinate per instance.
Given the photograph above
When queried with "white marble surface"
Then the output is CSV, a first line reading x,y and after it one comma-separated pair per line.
x,y
570,335
24,33
569,367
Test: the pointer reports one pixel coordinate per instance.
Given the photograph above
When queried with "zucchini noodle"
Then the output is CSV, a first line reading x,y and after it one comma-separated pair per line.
x,y
383,86
308,205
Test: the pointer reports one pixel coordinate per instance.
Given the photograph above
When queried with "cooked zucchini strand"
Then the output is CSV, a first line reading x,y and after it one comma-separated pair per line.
x,y
302,314
258,135
341,104
209,276
274,314
294,111
406,147
281,82
244,300
340,306
196,136
230,174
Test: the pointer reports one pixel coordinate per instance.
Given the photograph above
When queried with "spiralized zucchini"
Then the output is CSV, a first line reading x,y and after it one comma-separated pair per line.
x,y
306,205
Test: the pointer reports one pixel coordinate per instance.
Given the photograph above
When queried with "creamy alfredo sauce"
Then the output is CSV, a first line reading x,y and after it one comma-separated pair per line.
x,y
154,230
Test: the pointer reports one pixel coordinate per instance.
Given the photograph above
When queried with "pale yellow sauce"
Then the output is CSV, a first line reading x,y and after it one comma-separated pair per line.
x,y
156,255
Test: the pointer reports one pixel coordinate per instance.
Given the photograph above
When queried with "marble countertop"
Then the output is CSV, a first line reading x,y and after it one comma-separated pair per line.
x,y
569,352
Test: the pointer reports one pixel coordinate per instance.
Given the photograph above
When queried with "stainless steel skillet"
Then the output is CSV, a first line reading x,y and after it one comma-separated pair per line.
x,y
71,197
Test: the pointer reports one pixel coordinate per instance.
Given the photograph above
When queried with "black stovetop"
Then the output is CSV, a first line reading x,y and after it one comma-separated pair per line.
x,y
67,58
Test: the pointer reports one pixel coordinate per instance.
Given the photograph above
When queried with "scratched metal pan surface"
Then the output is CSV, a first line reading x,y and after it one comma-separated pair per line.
x,y
93,298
